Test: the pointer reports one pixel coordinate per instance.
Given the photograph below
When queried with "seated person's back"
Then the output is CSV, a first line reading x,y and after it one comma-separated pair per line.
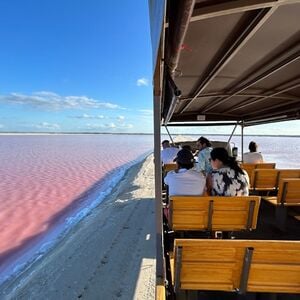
x,y
253,157
168,153
184,180
227,178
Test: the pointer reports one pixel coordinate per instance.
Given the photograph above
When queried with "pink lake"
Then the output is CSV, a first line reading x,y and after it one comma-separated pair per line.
x,y
49,182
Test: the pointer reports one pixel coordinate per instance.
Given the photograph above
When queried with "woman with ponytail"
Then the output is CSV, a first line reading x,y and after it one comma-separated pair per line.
x,y
227,178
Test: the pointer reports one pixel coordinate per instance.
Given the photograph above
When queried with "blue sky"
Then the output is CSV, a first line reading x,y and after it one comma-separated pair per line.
x,y
74,65
81,66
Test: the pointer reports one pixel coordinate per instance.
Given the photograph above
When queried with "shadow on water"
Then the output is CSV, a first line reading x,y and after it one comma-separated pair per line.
x,y
85,198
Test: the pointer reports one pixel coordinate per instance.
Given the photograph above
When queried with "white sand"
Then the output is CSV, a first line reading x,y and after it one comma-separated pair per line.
x,y
108,255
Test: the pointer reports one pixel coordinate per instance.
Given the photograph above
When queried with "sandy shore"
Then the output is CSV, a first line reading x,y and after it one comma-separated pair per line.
x,y
108,255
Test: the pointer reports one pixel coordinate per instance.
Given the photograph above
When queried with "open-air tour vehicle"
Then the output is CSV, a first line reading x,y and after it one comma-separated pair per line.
x,y
219,63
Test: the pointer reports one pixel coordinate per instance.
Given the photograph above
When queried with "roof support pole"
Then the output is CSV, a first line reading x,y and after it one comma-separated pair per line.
x,y
242,141
169,134
232,133
158,188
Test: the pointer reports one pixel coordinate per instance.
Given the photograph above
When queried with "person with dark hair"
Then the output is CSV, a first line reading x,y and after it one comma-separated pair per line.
x,y
226,178
184,180
203,165
188,147
253,157
168,153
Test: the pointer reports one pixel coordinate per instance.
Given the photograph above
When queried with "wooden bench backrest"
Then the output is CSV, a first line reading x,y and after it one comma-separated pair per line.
x,y
213,213
265,166
288,173
201,264
264,179
169,167
249,168
289,191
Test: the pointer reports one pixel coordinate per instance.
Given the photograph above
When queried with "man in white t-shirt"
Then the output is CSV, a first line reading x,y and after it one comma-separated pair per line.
x,y
253,157
184,180
168,153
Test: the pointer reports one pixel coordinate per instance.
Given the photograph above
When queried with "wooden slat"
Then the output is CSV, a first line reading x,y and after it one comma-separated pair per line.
x,y
265,166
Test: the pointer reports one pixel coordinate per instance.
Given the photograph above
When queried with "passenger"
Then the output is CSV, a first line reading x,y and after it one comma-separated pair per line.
x,y
253,157
188,147
184,180
204,146
227,178
168,153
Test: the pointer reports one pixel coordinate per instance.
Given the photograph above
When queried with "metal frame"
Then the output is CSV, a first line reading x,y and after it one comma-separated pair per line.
x,y
250,215
245,270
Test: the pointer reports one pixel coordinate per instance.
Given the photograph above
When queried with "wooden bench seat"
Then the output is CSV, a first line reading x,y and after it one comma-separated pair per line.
x,y
288,193
288,196
267,180
250,167
287,173
236,265
213,213
264,180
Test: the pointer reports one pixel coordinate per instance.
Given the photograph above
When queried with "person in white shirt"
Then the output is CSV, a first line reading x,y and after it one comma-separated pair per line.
x,y
184,180
253,157
168,153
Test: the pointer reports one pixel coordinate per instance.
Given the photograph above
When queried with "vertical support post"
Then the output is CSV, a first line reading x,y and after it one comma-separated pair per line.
x,y
160,278
245,270
170,216
281,210
178,268
242,141
250,215
210,214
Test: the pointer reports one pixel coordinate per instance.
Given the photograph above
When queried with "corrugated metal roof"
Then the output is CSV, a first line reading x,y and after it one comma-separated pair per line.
x,y
233,61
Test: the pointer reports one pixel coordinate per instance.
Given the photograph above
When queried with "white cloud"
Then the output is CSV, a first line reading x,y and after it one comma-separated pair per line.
x,y
142,82
111,125
127,126
86,116
52,101
108,126
121,119
101,126
46,125
146,112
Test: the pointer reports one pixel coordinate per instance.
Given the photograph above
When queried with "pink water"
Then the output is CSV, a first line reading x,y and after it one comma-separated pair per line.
x,y
46,178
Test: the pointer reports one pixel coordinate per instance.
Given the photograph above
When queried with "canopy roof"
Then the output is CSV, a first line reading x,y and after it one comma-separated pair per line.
x,y
232,61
